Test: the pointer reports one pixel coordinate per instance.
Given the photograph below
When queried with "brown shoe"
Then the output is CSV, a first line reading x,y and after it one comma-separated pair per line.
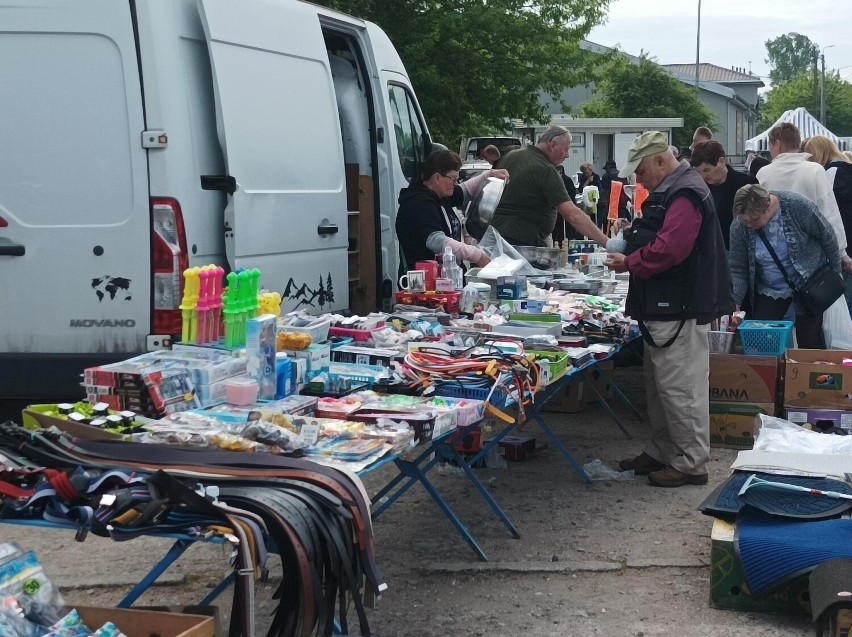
x,y
641,465
669,477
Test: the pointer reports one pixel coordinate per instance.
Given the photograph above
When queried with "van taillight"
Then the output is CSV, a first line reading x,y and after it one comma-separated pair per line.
x,y
169,258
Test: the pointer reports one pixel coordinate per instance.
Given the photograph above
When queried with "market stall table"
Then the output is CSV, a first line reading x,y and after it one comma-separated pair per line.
x,y
533,411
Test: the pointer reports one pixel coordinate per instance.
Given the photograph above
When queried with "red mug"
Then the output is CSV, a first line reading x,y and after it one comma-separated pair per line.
x,y
433,271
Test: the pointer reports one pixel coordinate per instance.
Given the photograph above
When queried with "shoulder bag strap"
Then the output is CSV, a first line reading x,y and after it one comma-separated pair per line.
x,y
776,259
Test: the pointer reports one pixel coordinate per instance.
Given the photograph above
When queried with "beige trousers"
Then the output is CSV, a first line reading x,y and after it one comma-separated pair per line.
x,y
678,396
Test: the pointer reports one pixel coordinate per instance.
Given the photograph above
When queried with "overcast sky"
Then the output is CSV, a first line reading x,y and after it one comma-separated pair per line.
x,y
733,32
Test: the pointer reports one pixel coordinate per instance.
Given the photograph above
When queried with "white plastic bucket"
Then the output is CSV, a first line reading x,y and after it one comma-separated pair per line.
x,y
721,342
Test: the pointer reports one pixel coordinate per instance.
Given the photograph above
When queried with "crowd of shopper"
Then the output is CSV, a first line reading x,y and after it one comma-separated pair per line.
x,y
709,239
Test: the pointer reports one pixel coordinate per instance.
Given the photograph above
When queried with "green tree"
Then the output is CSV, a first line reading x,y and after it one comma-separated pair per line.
x,y
799,92
647,90
477,64
790,56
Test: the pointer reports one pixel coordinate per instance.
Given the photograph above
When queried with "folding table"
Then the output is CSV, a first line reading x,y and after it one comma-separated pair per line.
x,y
533,411
416,469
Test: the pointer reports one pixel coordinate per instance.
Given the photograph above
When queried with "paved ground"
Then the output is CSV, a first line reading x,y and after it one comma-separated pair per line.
x,y
607,558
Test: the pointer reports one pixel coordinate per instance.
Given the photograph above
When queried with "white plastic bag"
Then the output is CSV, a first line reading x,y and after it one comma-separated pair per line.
x,y
495,246
780,435
597,470
837,325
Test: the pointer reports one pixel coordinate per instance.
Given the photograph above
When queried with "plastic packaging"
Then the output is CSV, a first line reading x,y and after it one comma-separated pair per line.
x,y
450,269
293,340
617,244
241,391
782,436
493,459
597,470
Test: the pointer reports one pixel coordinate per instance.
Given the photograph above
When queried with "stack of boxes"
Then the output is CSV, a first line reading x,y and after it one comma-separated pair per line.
x,y
818,388
741,388
813,386
160,383
146,386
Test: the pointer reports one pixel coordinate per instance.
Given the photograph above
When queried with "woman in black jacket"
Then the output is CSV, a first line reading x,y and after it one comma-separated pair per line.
x,y
839,171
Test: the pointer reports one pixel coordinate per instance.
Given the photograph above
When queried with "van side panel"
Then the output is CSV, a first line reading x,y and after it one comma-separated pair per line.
x,y
74,188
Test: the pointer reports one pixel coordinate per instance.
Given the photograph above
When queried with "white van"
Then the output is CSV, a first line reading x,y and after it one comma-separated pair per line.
x,y
141,138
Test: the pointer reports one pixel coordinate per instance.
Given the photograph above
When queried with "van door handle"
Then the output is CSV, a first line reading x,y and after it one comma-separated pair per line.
x,y
9,249
219,182
329,229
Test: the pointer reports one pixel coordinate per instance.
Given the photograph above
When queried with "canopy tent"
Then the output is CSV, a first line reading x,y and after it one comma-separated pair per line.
x,y
807,124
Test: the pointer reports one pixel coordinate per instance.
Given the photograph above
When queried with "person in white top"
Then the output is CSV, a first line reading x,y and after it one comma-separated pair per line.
x,y
790,170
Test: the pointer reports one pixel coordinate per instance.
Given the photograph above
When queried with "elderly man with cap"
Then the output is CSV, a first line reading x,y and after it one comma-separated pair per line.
x,y
679,282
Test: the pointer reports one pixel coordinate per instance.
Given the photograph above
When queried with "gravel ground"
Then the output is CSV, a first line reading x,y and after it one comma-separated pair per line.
x,y
607,558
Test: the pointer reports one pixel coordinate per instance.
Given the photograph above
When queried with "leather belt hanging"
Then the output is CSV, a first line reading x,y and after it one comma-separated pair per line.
x,y
316,517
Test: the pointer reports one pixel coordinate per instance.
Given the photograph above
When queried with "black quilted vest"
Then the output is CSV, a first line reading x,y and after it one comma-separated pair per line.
x,y
698,288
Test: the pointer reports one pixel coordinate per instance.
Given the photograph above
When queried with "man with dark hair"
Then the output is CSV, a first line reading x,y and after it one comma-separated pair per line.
x,y
708,158
610,175
679,282
563,231
426,222
491,154
791,170
535,194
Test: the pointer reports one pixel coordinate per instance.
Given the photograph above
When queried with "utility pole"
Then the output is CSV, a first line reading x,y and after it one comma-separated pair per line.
x,y
697,47
822,85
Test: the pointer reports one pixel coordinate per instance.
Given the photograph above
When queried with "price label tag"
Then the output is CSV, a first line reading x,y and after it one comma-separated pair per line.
x,y
308,435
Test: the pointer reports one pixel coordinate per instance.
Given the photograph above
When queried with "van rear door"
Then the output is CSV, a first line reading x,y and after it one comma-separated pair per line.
x,y
406,143
279,130
74,201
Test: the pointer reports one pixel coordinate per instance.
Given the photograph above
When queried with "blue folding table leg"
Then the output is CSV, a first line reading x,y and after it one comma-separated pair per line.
x,y
383,501
532,414
218,590
413,471
159,568
449,452
606,406
620,394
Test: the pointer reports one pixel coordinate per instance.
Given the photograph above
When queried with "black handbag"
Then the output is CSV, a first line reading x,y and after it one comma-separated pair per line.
x,y
819,292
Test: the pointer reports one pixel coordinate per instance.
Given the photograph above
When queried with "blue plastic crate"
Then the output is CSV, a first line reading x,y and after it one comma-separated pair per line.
x,y
498,398
766,338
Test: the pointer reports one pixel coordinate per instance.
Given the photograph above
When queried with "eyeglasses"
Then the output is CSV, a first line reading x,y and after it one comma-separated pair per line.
x,y
453,178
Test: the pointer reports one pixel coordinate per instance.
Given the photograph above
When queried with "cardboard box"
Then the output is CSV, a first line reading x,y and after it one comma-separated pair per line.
x,y
206,611
260,353
517,447
571,400
817,378
746,379
600,382
364,355
820,419
467,442
734,425
318,356
728,587
148,623
32,418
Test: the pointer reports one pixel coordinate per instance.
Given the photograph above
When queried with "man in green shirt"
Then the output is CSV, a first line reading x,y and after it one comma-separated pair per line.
x,y
535,194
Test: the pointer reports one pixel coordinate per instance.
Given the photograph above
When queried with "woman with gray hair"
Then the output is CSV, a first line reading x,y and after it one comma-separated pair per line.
x,y
791,227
